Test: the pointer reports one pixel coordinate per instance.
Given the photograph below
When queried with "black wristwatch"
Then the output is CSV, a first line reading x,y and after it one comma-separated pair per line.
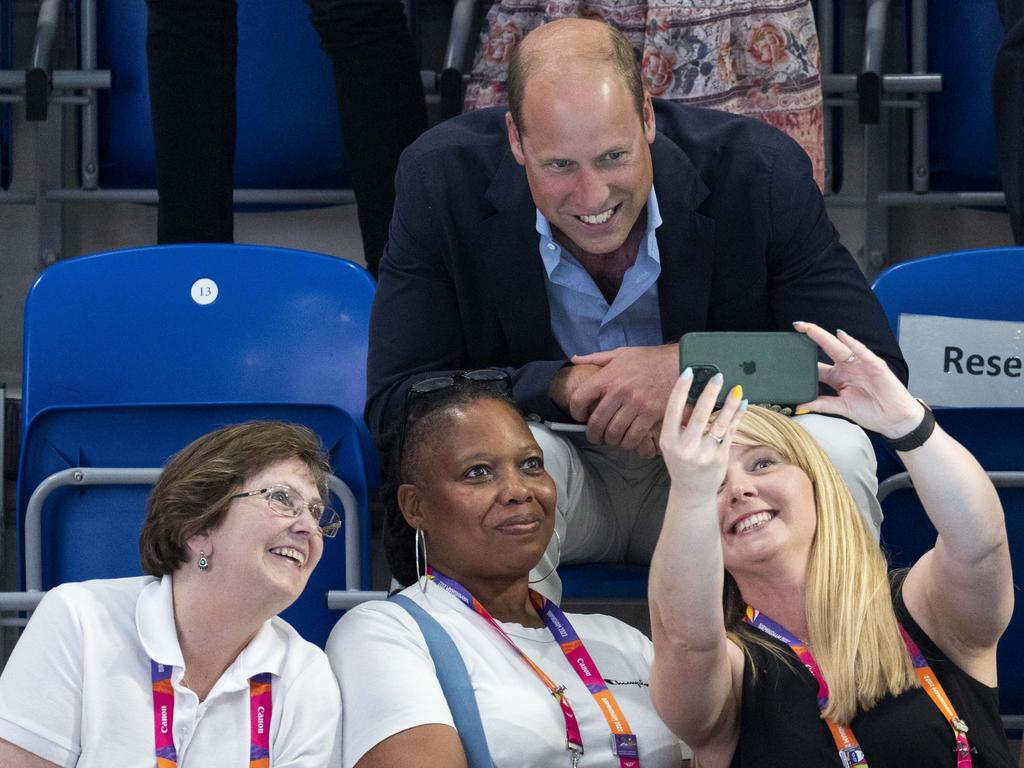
x,y
921,432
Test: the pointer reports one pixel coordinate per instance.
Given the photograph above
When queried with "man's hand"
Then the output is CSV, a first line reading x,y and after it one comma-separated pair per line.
x,y
567,381
623,401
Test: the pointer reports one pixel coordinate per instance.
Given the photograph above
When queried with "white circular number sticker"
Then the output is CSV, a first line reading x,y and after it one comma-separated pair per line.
x,y
204,291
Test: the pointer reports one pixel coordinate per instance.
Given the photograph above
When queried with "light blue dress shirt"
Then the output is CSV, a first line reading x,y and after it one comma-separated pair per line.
x,y
581,318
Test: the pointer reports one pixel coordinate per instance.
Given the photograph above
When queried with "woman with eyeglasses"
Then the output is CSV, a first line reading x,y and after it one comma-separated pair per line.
x,y
470,510
781,638
190,664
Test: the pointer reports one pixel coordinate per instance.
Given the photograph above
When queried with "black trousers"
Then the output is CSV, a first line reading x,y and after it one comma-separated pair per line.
x,y
1008,105
192,56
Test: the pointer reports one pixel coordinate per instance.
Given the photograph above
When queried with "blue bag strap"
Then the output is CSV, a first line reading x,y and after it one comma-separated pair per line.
x,y
454,680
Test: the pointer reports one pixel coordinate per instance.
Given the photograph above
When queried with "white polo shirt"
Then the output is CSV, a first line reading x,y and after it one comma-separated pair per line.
x,y
389,683
77,690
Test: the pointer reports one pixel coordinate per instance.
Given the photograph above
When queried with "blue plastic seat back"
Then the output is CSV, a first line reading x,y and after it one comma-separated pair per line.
x,y
980,284
123,367
963,37
123,328
288,134
907,534
604,581
984,285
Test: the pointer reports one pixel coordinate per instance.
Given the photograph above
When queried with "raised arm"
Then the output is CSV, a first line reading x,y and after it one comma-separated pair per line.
x,y
960,592
696,674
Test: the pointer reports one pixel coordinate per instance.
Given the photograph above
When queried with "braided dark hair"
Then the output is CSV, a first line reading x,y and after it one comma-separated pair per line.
x,y
428,415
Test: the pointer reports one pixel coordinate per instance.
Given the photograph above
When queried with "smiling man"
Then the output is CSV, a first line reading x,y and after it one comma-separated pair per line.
x,y
573,239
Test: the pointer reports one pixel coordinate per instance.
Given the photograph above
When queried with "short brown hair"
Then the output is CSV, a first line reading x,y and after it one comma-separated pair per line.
x,y
194,489
619,53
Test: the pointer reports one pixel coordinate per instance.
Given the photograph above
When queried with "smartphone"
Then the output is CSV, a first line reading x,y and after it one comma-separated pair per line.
x,y
773,368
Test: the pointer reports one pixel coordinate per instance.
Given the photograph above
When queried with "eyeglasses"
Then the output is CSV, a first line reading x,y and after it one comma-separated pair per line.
x,y
480,376
493,377
284,502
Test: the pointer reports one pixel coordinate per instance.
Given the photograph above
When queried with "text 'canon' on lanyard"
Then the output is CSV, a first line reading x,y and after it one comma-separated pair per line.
x,y
850,752
163,718
624,742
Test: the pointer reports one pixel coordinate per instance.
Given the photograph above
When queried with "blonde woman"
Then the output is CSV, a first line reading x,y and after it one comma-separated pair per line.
x,y
815,657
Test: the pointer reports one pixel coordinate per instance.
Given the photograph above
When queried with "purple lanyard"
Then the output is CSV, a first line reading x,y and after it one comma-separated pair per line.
x,y
163,718
624,742
850,752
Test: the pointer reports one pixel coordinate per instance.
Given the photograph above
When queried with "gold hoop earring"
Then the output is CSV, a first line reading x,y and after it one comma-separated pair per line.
x,y
420,542
558,559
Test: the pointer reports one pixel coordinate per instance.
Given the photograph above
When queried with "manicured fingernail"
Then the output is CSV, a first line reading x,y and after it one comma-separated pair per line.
x,y
736,392
798,323
744,403
717,378
687,373
801,411
840,330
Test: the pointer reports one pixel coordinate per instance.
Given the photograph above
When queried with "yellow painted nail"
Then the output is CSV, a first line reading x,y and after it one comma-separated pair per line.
x,y
802,411
736,392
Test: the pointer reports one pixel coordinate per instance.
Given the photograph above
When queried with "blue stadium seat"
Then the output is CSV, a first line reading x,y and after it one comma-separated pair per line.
x,y
963,37
123,367
288,135
604,581
984,285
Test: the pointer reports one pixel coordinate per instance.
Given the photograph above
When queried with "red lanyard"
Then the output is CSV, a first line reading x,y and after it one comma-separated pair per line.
x,y
850,753
624,742
163,718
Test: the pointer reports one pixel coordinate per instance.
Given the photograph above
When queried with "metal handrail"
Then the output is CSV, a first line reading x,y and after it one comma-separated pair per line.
x,y
81,476
261,196
338,599
1001,479
37,77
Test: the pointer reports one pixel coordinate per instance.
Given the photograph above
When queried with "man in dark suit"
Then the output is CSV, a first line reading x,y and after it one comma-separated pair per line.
x,y
574,239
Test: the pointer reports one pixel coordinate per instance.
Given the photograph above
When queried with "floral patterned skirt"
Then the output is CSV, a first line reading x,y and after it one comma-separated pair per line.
x,y
751,57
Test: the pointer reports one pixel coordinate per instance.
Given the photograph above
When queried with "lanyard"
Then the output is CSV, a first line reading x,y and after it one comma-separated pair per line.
x,y
624,742
163,718
850,753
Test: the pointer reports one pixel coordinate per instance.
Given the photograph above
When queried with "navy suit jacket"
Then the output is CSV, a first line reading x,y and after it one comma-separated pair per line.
x,y
745,244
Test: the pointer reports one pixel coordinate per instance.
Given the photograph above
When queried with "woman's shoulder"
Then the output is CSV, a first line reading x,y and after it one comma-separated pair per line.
x,y
376,621
96,595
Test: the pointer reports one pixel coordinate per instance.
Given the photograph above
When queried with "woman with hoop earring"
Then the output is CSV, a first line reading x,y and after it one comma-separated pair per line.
x,y
470,510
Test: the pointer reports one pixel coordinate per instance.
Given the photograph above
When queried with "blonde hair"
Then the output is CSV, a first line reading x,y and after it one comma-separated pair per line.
x,y
853,630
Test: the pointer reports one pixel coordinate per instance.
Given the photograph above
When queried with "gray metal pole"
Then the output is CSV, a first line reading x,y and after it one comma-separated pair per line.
x,y
71,476
920,167
90,140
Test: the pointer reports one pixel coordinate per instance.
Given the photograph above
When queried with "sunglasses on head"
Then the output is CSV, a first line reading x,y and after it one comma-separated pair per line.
x,y
483,376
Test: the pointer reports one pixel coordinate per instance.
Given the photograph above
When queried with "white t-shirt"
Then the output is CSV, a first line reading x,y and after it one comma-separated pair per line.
x,y
389,683
77,690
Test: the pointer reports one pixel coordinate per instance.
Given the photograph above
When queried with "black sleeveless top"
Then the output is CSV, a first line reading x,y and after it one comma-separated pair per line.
x,y
780,724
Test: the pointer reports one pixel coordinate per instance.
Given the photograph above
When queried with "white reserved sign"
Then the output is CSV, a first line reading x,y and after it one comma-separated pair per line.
x,y
964,363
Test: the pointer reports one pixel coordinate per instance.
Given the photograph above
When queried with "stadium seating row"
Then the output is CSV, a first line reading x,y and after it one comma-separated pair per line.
x,y
129,355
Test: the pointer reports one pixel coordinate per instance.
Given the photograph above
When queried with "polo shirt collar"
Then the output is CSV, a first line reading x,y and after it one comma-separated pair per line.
x,y
154,621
